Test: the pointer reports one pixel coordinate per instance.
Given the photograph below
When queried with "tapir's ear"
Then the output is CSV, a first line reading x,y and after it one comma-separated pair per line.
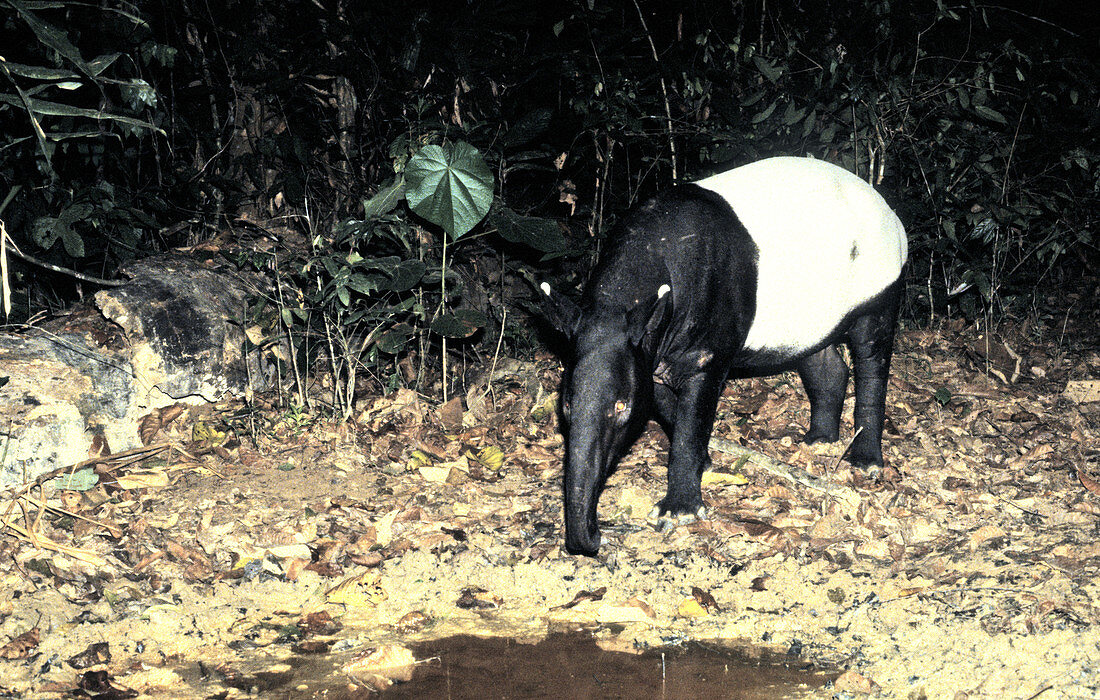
x,y
561,311
650,317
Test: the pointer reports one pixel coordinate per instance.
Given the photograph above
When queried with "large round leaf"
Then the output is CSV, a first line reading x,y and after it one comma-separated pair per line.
x,y
450,186
460,323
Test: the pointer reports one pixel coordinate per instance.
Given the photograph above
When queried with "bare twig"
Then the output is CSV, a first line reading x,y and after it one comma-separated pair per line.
x,y
664,90
774,466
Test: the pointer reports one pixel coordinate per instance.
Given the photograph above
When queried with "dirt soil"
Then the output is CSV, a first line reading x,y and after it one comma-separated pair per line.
x,y
200,570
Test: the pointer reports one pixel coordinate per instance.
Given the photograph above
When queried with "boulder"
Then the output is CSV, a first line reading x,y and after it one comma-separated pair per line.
x,y
172,333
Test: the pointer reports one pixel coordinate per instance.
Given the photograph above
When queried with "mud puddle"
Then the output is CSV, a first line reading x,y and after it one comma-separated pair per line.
x,y
567,665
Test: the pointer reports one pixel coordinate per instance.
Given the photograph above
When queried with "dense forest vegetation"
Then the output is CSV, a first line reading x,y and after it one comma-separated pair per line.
x,y
398,167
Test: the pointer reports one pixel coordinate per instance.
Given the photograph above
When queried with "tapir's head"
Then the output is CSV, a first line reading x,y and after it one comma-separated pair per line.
x,y
607,396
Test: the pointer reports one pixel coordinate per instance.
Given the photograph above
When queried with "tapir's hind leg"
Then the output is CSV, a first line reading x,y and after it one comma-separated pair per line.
x,y
825,377
871,340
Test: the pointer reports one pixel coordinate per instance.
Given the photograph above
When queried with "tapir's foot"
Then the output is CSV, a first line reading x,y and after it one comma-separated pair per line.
x,y
869,464
670,513
815,435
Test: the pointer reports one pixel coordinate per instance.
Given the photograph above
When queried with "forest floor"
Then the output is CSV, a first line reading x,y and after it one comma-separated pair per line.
x,y
202,568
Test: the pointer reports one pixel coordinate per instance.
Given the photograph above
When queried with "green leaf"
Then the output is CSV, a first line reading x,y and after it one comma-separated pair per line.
x,y
541,234
765,114
81,480
990,114
40,72
460,323
452,186
792,115
406,275
942,396
47,230
764,66
53,37
385,199
58,109
364,284
808,125
529,127
393,340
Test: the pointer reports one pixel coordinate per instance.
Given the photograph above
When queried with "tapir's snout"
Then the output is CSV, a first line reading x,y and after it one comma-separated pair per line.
x,y
582,533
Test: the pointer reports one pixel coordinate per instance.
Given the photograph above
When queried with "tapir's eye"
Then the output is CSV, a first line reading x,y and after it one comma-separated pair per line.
x,y
620,412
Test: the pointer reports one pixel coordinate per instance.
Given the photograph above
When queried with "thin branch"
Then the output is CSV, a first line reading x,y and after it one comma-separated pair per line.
x,y
63,270
664,90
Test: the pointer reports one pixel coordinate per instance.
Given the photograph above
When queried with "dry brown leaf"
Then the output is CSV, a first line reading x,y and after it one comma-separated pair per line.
x,y
1083,391
151,479
413,622
358,591
99,447
475,598
149,427
690,607
22,646
983,534
852,682
94,655
780,491
1088,482
171,413
450,415
641,605
705,599
381,666
319,622
581,597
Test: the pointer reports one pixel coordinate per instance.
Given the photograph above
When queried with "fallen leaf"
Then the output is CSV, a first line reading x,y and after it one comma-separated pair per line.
x,y
413,622
724,479
96,654
319,622
852,682
381,666
450,415
436,475
490,457
983,534
475,598
705,599
98,684
152,479
690,607
1088,482
581,597
149,427
1083,390
359,591
22,646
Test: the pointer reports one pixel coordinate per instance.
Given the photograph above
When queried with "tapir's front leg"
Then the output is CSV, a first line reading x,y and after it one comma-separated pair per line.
x,y
697,399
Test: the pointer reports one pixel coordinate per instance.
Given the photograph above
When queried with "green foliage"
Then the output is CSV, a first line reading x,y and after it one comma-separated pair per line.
x,y
375,287
66,124
450,186
497,136
48,96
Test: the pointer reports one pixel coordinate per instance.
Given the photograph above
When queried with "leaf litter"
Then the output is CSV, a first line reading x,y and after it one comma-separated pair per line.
x,y
973,573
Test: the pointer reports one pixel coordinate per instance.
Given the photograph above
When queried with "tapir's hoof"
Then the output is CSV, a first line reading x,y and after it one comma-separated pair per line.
x,y
667,522
871,466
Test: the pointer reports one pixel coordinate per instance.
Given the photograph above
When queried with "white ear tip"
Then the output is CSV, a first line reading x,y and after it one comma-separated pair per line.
x,y
545,287
663,290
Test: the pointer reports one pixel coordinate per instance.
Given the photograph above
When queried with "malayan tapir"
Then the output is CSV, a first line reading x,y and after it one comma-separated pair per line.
x,y
751,271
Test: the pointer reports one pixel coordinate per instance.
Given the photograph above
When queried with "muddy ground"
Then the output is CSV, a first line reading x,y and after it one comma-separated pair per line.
x,y
188,571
